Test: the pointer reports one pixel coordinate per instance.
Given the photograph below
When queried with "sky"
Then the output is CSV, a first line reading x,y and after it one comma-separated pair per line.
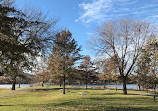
x,y
82,17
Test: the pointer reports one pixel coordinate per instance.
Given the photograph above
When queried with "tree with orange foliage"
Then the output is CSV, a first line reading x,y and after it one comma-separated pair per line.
x,y
87,69
41,77
65,53
109,72
114,72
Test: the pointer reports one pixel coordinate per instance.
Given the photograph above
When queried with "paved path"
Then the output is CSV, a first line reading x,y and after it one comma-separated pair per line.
x,y
14,93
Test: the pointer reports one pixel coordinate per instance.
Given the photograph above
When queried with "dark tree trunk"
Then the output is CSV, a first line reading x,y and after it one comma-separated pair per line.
x,y
13,84
115,85
60,83
19,82
124,85
64,84
86,83
104,83
154,92
139,87
42,83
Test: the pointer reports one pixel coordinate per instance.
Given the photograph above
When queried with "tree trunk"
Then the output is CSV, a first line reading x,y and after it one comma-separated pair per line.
x,y
64,84
124,85
60,83
104,83
19,82
154,92
86,83
13,84
42,83
115,85
139,87
19,85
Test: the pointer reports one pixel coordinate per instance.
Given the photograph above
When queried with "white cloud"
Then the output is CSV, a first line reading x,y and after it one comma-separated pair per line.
x,y
102,10
93,11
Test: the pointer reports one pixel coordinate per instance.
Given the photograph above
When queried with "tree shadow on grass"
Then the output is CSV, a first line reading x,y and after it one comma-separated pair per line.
x,y
82,88
116,99
144,95
150,95
95,107
66,103
93,103
6,105
44,89
106,94
130,109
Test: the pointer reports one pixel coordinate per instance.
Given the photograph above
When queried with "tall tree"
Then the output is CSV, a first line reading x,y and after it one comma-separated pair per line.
x,y
65,53
143,68
122,40
153,69
147,66
23,36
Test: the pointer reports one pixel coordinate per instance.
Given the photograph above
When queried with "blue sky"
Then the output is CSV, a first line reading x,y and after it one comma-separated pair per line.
x,y
82,17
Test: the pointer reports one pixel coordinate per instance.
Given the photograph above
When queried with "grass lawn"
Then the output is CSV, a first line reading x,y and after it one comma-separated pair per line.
x,y
4,91
77,99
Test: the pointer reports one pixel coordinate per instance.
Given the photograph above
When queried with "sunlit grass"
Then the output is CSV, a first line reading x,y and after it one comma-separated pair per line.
x,y
51,99
4,91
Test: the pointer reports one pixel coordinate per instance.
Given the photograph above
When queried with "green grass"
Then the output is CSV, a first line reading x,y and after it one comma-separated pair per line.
x,y
77,99
4,91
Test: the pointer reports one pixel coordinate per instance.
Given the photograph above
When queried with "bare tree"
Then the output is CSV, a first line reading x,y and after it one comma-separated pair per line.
x,y
121,40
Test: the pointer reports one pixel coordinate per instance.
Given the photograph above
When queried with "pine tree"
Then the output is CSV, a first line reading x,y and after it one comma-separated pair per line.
x,y
65,53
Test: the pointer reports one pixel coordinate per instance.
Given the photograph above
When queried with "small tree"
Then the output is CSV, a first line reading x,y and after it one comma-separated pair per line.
x,y
88,69
109,71
42,77
104,77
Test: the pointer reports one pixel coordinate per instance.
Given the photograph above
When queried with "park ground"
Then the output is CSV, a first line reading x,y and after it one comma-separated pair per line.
x,y
76,99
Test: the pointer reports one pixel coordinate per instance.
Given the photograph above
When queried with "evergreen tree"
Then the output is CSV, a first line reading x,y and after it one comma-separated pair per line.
x,y
65,53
